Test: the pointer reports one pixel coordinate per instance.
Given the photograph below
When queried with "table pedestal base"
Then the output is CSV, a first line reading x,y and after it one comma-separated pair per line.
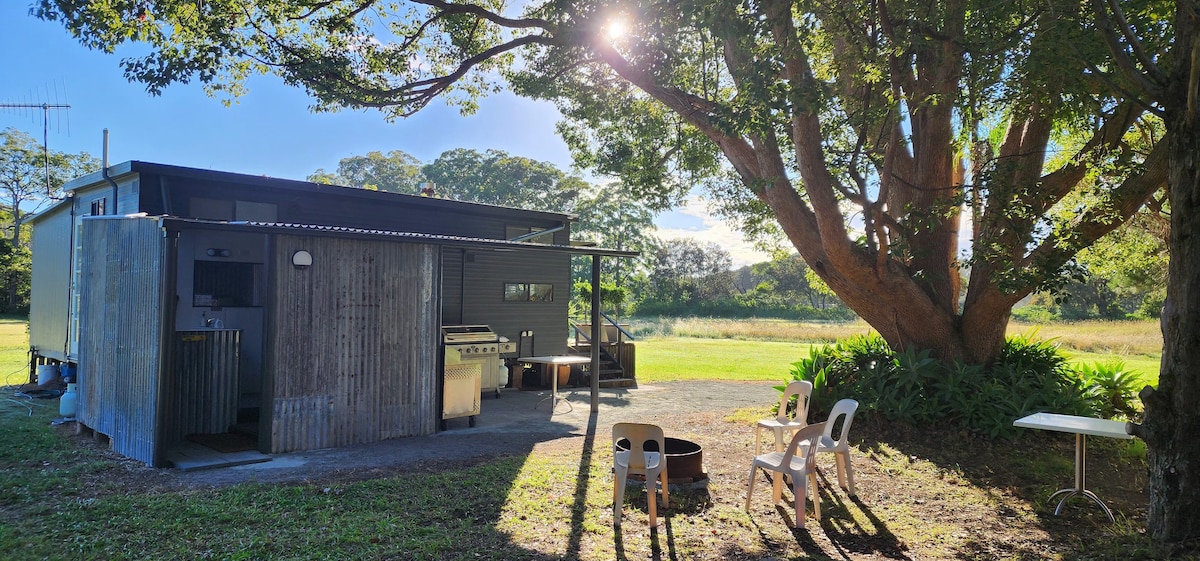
x,y
1080,481
1069,493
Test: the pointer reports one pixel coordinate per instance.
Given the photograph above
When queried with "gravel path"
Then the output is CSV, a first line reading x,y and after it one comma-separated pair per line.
x,y
510,424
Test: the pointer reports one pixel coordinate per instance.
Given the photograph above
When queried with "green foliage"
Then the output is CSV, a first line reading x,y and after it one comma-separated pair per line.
x,y
498,178
610,216
862,116
685,273
395,172
611,297
1112,387
16,267
910,386
841,370
24,171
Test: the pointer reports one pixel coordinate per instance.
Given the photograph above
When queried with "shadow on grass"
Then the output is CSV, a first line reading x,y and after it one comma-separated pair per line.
x,y
1016,479
848,536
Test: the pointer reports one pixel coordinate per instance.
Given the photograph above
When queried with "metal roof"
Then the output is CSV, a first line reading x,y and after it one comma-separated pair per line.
x,y
173,223
121,170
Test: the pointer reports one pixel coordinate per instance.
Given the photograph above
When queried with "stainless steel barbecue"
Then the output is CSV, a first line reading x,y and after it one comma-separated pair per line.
x,y
471,346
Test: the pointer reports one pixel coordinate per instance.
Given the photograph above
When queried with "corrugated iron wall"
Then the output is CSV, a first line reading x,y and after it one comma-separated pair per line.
x,y
120,332
352,342
50,298
203,387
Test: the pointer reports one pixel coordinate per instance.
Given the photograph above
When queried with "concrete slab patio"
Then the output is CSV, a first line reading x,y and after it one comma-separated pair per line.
x,y
512,423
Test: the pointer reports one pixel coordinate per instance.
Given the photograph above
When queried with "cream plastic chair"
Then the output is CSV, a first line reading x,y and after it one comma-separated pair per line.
x,y
798,462
637,460
782,424
838,445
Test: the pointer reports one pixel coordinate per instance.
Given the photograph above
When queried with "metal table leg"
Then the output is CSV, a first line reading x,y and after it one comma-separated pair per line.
x,y
1080,481
553,397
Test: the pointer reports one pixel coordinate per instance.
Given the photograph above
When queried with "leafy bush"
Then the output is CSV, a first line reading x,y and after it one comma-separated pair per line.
x,y
911,386
1034,313
1112,388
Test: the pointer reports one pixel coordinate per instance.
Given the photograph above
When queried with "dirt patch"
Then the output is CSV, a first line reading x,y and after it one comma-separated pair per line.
x,y
922,494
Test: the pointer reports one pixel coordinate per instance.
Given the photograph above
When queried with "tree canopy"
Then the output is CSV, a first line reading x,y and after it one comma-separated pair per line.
x,y
395,172
32,176
857,129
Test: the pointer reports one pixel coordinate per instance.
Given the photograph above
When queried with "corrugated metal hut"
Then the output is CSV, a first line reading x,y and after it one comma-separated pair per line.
x,y
193,300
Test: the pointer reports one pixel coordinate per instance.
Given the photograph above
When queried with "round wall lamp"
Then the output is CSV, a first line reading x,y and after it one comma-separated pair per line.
x,y
301,259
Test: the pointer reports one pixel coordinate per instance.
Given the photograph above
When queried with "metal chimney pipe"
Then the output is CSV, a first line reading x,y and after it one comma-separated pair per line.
x,y
104,172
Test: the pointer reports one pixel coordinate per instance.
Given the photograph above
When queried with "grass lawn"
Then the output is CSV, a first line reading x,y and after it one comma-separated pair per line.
x,y
689,358
14,350
923,494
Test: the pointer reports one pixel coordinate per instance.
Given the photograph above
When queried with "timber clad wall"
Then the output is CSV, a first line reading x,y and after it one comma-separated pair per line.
x,y
352,342
483,298
121,304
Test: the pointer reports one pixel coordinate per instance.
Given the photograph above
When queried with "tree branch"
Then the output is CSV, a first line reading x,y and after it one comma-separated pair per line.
x,y
454,8
1120,56
1055,250
1056,184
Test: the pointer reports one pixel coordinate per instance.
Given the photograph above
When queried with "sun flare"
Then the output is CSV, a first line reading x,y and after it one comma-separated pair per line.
x,y
616,29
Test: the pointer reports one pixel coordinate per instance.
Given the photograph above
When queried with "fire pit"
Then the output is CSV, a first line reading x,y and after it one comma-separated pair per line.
x,y
685,461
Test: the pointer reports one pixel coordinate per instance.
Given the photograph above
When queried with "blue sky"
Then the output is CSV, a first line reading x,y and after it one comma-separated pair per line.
x,y
270,131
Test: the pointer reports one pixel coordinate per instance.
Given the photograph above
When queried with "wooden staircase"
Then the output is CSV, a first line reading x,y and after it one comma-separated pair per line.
x,y
616,354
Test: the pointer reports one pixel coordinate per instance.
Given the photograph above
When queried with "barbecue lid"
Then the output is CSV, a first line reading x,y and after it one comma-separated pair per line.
x,y
448,329
468,334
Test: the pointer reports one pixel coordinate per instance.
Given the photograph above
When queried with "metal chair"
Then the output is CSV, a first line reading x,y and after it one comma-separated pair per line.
x,y
783,424
637,460
797,462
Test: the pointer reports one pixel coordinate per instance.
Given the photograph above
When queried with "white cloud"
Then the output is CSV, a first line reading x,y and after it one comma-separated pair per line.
x,y
692,220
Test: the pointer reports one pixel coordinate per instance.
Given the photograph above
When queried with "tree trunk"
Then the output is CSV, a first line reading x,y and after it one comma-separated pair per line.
x,y
1172,418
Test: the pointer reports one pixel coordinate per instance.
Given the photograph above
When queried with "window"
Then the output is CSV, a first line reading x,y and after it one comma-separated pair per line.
x,y
528,292
224,284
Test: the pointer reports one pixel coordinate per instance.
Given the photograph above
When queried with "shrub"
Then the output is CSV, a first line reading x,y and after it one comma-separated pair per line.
x,y
1112,388
1029,376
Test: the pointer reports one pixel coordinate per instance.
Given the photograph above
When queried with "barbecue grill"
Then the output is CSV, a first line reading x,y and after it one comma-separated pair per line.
x,y
471,347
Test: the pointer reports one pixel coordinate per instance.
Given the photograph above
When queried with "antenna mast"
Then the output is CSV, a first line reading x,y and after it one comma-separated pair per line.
x,y
45,107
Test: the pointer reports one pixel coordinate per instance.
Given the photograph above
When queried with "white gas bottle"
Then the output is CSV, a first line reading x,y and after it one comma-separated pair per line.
x,y
68,402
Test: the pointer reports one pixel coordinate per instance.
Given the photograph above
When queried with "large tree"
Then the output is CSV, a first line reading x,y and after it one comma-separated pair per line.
x,y
394,172
685,274
496,177
860,128
31,176
1170,85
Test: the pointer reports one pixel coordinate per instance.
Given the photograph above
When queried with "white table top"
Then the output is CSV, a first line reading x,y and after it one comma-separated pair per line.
x,y
1071,423
563,359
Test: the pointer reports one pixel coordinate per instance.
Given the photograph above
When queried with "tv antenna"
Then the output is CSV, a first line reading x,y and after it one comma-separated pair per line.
x,y
46,107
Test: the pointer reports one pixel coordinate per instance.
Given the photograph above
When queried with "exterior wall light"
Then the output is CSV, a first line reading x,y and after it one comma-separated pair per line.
x,y
302,259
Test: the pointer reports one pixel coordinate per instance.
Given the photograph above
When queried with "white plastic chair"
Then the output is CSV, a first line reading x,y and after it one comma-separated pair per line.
x,y
782,424
637,460
838,445
797,462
